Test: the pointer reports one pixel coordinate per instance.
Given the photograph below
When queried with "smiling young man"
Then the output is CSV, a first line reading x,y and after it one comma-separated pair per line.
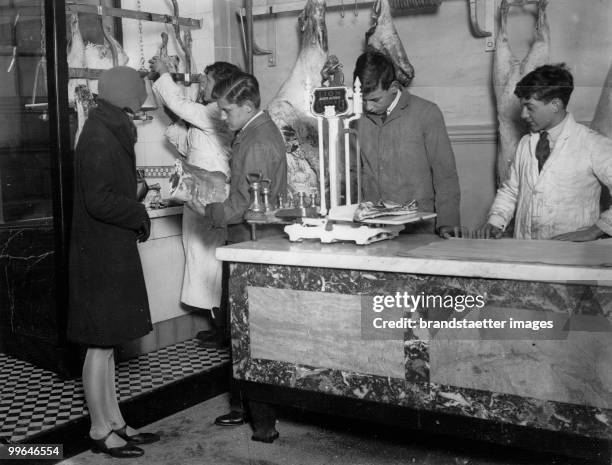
x,y
554,185
405,150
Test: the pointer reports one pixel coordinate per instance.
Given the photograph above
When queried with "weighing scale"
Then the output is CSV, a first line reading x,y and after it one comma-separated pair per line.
x,y
330,106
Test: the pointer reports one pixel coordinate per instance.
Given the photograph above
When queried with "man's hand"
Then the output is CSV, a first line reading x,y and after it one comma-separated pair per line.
x,y
581,235
488,231
157,67
447,232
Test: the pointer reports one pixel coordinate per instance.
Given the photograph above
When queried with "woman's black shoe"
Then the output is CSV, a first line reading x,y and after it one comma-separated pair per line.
x,y
128,451
139,439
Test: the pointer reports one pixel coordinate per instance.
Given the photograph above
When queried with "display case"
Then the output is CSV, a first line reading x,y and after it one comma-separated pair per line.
x,y
35,168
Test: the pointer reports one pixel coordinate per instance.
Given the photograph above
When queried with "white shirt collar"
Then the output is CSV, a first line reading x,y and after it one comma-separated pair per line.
x,y
394,103
249,121
555,131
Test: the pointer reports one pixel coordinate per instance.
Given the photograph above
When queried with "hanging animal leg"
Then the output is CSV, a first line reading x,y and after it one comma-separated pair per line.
x,y
505,76
507,72
539,52
602,120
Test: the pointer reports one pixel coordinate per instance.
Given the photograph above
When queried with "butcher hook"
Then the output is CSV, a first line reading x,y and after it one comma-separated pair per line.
x,y
342,9
478,32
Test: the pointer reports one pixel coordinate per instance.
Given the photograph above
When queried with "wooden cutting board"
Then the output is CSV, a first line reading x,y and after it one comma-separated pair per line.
x,y
519,251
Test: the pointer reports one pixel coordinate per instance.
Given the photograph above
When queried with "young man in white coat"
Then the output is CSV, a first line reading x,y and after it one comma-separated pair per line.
x,y
553,190
203,140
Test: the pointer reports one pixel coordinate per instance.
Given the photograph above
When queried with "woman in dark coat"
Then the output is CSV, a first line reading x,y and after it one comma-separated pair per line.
x,y
108,298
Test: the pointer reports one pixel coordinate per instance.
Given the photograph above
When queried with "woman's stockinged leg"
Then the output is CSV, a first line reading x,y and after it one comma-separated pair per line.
x,y
110,396
95,380
112,402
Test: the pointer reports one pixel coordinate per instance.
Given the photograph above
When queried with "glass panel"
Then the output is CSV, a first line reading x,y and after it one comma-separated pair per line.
x,y
25,154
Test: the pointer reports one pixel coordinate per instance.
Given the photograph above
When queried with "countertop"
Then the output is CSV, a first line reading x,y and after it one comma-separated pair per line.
x,y
167,211
385,256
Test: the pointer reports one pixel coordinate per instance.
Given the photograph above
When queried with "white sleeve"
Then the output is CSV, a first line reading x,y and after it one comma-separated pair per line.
x,y
176,134
504,205
200,116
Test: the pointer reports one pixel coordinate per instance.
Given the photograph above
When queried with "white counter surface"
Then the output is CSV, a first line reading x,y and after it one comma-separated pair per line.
x,y
383,256
168,211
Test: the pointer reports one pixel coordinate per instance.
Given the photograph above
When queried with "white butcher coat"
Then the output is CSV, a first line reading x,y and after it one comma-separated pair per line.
x,y
205,144
564,196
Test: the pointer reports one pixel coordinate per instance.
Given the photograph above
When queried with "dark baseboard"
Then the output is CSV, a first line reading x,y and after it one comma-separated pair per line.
x,y
446,431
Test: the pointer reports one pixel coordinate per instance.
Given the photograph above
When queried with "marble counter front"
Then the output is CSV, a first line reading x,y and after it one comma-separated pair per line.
x,y
297,313
394,256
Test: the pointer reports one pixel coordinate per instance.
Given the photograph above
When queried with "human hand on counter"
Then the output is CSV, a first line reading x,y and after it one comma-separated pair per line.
x,y
144,231
447,232
581,235
488,231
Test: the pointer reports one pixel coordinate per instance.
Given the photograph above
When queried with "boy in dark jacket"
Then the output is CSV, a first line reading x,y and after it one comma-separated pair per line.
x,y
258,147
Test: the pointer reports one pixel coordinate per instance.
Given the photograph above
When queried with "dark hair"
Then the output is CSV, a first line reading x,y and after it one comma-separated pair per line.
x,y
373,68
546,83
221,70
238,88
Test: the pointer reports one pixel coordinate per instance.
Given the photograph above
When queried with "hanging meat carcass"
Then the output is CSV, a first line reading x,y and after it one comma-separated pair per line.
x,y
76,56
91,56
383,36
602,120
507,72
171,61
289,108
602,123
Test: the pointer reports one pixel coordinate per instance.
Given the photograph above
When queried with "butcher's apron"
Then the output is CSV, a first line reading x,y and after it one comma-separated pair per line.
x,y
202,278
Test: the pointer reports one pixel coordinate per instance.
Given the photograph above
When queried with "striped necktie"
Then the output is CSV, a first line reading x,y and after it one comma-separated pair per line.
x,y
542,149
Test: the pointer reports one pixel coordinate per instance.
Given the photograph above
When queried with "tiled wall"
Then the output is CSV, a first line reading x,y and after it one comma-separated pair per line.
x,y
152,151
228,36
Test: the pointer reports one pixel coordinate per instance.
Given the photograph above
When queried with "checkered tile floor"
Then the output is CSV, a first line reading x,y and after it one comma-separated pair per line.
x,y
34,400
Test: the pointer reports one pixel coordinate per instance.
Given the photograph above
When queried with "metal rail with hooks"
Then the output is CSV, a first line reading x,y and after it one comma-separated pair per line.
x,y
259,8
75,7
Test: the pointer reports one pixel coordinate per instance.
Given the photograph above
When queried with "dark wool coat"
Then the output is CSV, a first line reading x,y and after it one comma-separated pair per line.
x,y
409,157
108,298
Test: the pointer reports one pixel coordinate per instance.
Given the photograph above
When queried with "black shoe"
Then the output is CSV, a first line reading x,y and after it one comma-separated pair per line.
x,y
139,439
129,451
234,418
267,439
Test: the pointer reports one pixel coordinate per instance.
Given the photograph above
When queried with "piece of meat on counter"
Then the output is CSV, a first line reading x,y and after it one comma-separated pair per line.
x,y
198,187
383,36
367,210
